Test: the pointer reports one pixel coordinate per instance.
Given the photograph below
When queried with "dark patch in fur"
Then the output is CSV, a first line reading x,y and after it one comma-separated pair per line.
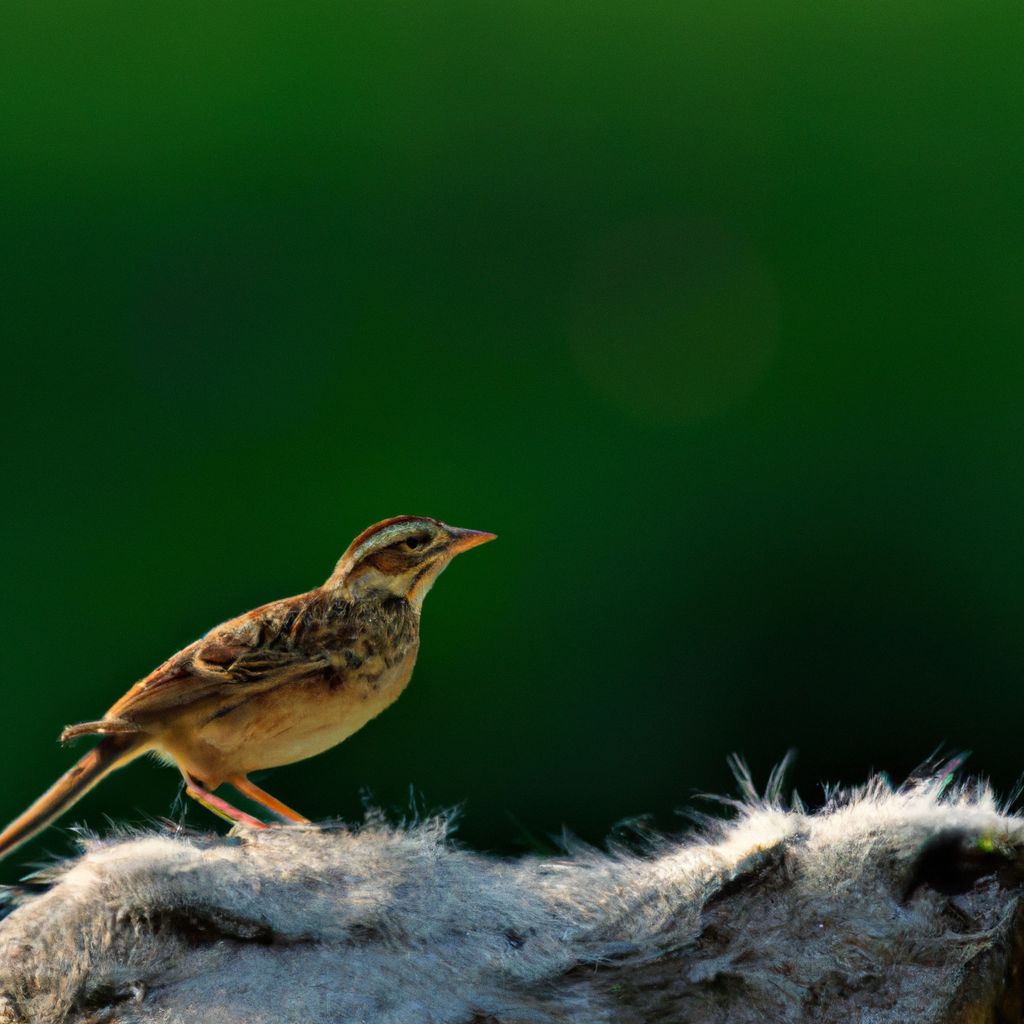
x,y
954,861
99,999
759,876
206,926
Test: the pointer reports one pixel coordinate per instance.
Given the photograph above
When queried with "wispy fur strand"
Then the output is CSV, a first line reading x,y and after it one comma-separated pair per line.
x,y
884,906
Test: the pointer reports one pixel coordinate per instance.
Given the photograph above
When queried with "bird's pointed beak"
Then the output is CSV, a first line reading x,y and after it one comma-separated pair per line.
x,y
463,540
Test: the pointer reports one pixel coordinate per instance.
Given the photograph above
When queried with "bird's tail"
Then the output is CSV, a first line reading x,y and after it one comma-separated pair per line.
x,y
112,752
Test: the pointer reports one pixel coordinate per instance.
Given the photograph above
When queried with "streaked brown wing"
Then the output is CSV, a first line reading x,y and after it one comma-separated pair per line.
x,y
212,666
274,644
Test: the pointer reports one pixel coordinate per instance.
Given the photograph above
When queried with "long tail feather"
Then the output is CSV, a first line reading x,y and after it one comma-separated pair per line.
x,y
111,753
104,727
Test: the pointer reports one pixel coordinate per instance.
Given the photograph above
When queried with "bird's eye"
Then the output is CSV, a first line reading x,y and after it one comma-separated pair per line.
x,y
413,543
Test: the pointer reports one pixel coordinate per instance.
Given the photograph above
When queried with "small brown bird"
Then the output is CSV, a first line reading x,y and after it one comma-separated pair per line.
x,y
278,684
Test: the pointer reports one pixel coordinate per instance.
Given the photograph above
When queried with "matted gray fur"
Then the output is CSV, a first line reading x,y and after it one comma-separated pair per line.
x,y
885,906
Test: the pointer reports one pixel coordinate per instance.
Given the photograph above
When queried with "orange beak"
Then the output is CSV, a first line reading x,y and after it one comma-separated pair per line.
x,y
466,539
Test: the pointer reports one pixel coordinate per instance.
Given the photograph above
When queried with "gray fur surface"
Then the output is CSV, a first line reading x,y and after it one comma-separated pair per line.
x,y
884,906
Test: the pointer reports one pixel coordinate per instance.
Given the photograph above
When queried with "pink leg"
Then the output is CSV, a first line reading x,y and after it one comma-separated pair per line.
x,y
220,807
261,796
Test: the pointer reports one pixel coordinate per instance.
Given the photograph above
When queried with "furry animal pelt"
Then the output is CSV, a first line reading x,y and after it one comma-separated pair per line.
x,y
887,905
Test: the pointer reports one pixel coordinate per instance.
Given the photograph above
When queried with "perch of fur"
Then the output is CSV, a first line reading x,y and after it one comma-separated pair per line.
x,y
885,906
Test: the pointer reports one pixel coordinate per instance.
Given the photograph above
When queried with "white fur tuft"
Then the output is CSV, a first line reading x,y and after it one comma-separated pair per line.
x,y
887,905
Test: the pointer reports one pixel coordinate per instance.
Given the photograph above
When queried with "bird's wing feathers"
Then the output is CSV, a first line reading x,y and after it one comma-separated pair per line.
x,y
241,663
251,654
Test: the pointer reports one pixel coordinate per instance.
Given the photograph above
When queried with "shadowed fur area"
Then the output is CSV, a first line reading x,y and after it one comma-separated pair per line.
x,y
886,905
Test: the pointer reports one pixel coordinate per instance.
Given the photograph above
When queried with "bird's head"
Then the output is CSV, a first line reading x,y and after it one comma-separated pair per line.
x,y
401,557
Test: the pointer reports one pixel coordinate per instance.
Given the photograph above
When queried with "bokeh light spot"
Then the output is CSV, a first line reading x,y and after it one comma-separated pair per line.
x,y
673,320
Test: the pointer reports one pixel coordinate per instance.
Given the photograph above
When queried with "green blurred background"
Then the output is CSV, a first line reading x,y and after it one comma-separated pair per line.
x,y
712,311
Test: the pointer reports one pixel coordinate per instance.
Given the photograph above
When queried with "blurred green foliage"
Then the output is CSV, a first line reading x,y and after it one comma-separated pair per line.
x,y
712,311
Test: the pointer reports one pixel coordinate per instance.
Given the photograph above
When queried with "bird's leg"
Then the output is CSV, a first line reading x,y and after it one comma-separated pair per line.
x,y
261,796
220,807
